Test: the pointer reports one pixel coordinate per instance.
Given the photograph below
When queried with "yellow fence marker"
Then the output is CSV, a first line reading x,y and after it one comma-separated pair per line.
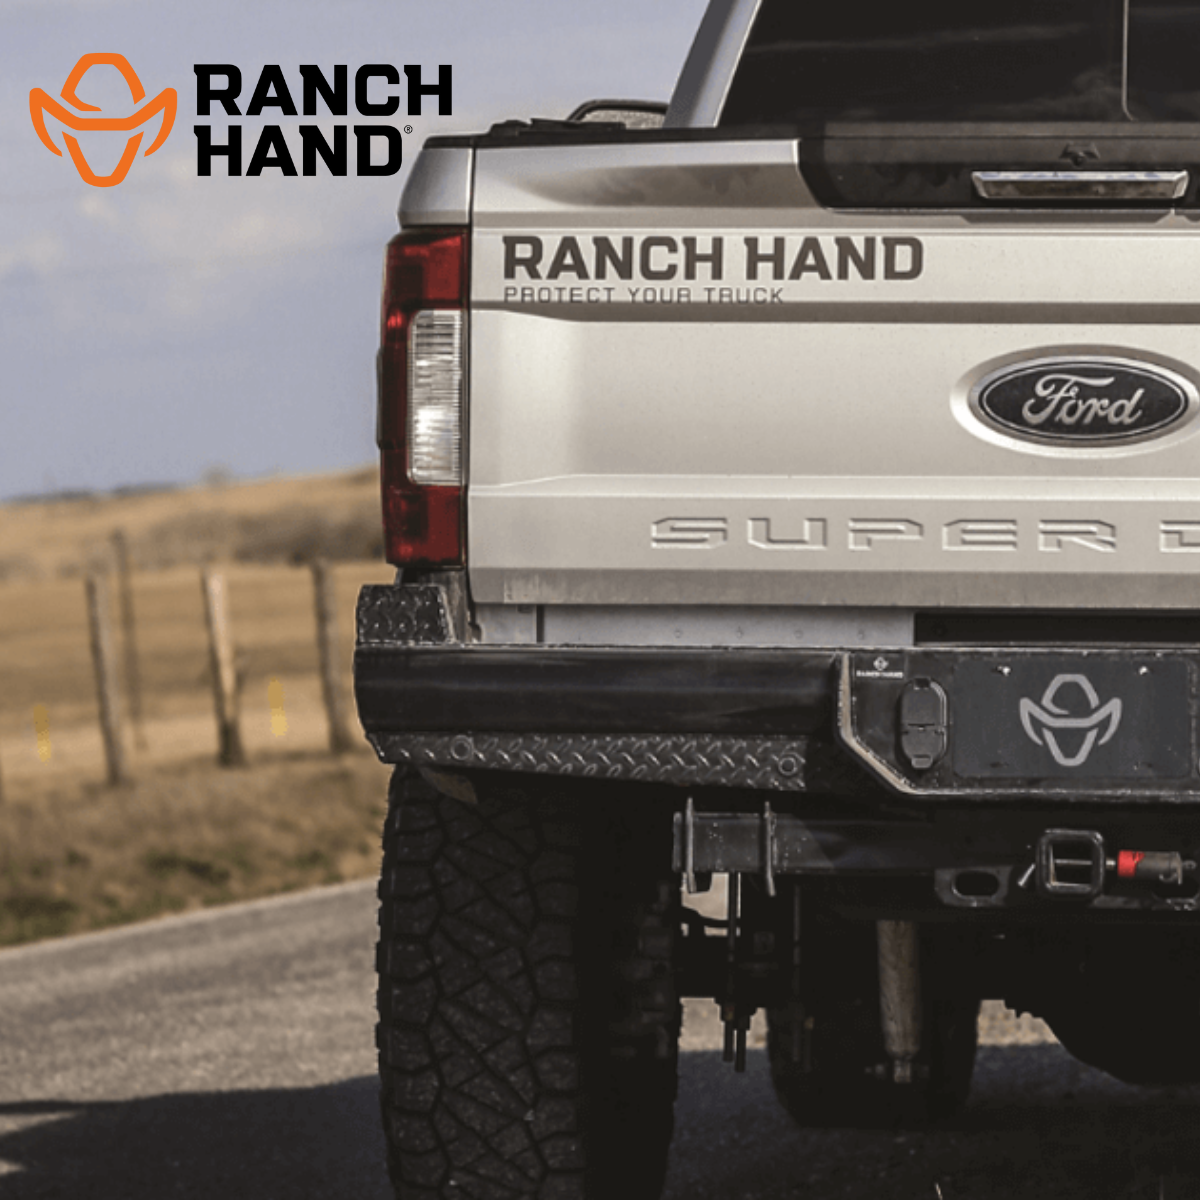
x,y
41,726
275,700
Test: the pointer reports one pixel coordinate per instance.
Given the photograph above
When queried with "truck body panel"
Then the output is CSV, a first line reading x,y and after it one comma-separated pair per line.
x,y
688,380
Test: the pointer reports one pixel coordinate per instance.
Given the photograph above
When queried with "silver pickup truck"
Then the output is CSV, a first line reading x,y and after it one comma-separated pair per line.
x,y
799,485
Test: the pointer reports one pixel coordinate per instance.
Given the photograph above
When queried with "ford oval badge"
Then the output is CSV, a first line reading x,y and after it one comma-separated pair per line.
x,y
1084,400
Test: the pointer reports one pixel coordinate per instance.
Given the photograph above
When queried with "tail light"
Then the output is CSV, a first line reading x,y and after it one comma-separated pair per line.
x,y
422,362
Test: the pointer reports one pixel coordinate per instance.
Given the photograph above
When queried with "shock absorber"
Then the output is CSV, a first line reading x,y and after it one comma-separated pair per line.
x,y
900,995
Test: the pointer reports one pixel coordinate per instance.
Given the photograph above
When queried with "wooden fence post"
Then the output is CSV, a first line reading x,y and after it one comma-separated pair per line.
x,y
133,680
326,609
231,752
107,692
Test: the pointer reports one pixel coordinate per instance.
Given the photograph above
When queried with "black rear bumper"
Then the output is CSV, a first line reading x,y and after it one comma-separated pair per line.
x,y
693,717
697,718
927,724
829,724
537,689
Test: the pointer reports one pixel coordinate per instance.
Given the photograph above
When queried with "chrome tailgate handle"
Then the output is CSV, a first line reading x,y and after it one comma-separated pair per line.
x,y
1080,185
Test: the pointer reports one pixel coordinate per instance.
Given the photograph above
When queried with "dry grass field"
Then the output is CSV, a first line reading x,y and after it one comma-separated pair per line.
x,y
259,521
76,854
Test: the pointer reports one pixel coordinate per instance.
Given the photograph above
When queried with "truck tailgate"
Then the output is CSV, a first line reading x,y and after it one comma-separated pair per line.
x,y
689,380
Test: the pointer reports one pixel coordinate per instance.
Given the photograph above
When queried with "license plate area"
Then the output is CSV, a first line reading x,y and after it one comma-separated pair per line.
x,y
1086,723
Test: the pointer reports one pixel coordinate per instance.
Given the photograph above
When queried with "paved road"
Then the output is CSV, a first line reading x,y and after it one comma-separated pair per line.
x,y
229,1055
224,1054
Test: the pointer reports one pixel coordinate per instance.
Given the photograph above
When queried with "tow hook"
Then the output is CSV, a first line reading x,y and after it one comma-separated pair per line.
x,y
1073,862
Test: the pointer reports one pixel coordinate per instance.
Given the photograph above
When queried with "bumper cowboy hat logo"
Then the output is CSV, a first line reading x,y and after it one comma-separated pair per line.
x,y
41,103
1046,723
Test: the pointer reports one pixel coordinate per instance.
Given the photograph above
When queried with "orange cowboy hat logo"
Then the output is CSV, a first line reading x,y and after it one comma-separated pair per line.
x,y
41,102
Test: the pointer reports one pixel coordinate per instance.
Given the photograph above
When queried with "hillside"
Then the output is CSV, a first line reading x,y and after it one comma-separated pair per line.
x,y
285,518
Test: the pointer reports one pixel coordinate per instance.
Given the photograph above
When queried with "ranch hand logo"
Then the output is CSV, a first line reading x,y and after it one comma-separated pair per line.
x,y
41,102
1041,721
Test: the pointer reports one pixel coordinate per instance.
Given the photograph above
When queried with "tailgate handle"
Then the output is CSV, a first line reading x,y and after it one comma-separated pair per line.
x,y
1080,185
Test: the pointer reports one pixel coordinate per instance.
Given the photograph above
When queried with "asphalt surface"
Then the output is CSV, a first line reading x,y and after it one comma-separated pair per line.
x,y
224,1054
230,1054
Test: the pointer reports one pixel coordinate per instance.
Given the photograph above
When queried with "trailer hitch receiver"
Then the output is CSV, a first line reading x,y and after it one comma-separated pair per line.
x,y
1070,862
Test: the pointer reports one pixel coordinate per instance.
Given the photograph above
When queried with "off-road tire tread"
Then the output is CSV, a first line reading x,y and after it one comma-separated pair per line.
x,y
497,1081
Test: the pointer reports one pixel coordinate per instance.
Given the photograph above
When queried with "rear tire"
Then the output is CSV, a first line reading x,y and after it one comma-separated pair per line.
x,y
528,1018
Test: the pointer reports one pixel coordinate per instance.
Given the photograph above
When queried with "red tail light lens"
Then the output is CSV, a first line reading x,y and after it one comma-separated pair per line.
x,y
421,418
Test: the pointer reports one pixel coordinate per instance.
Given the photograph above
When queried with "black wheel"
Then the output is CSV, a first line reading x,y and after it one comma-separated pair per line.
x,y
528,1017
825,1049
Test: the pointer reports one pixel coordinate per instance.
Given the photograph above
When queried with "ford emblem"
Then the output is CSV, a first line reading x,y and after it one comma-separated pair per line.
x,y
1089,399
